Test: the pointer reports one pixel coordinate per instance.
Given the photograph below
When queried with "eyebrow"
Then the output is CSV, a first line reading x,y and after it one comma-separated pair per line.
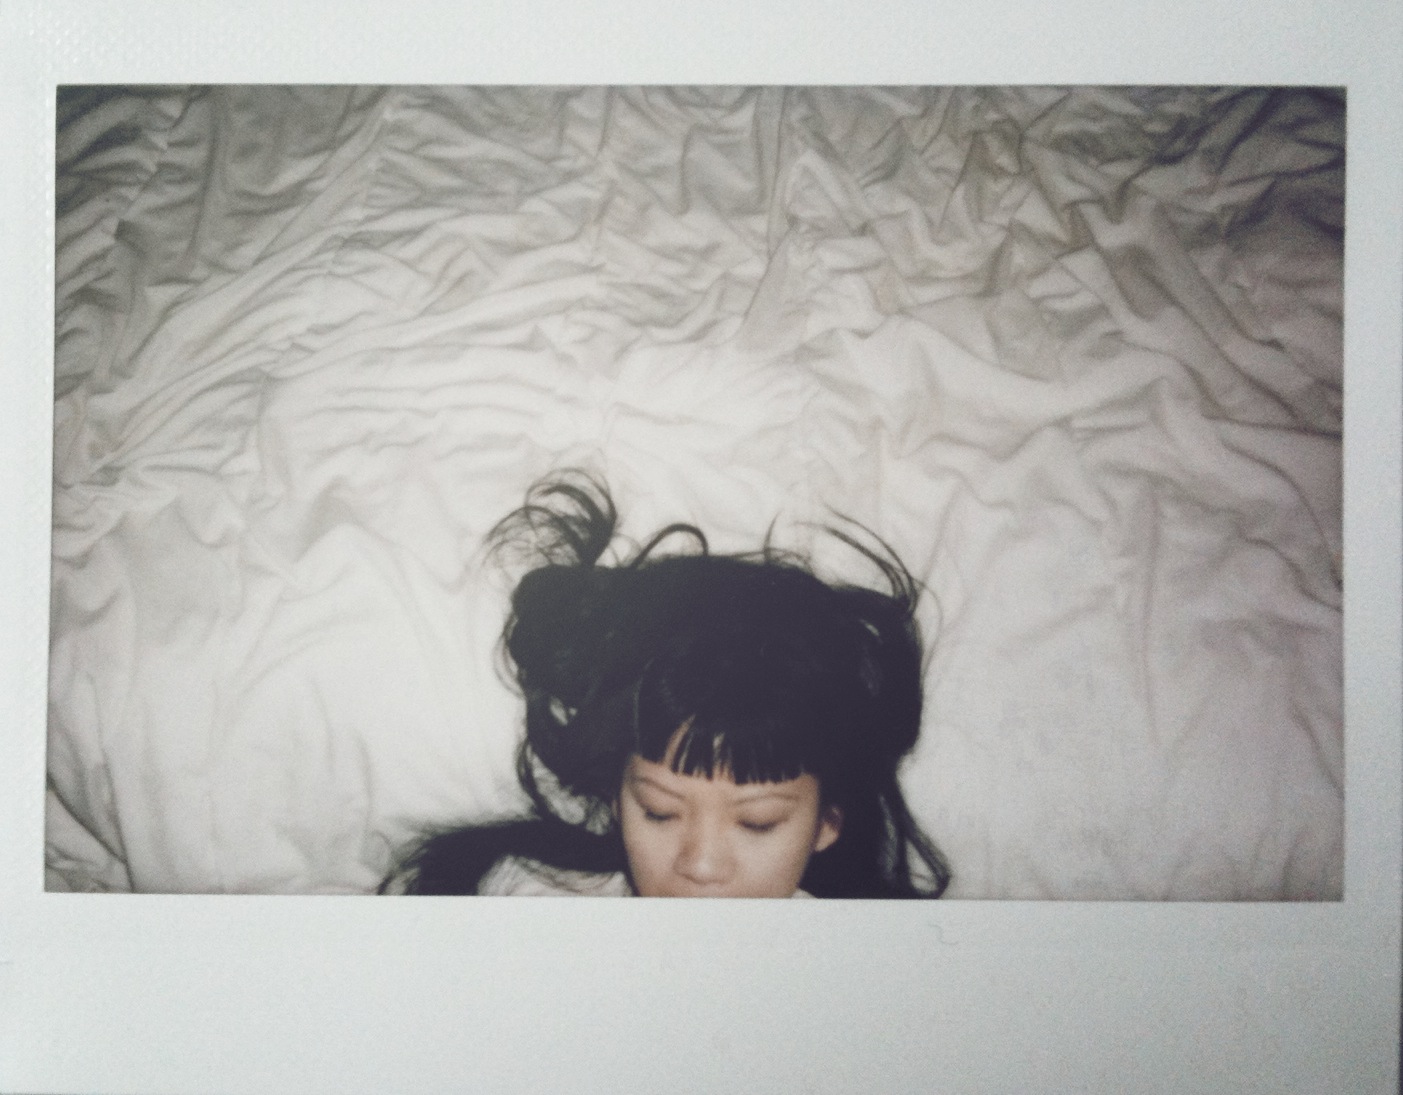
x,y
653,784
761,791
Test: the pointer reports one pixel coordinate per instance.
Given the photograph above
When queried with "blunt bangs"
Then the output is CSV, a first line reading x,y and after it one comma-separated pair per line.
x,y
749,752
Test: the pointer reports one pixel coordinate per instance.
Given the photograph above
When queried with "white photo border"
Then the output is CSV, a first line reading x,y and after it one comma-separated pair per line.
x,y
238,994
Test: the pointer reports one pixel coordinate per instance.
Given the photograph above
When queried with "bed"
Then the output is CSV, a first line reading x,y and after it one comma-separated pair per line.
x,y
1075,353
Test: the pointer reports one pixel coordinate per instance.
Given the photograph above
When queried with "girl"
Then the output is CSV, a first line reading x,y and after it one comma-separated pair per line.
x,y
696,725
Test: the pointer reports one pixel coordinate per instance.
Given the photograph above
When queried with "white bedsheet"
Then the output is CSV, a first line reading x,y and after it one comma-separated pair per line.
x,y
1075,353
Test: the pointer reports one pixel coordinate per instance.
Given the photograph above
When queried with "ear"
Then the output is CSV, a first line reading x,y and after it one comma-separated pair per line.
x,y
830,827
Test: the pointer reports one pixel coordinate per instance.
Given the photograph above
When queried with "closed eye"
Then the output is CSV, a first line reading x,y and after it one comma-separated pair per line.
x,y
759,826
653,815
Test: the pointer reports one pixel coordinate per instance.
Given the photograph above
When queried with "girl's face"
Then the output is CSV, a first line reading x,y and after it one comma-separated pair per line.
x,y
694,836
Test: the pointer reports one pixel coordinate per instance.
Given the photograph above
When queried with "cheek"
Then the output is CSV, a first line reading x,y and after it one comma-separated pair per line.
x,y
651,856
774,866
796,853
645,844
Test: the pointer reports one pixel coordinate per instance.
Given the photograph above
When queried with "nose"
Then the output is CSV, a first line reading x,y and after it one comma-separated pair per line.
x,y
704,856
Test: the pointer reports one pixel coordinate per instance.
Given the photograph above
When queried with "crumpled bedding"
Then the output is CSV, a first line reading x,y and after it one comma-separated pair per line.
x,y
1076,354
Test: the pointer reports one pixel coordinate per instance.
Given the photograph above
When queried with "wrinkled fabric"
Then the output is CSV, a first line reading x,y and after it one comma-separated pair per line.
x,y
1074,353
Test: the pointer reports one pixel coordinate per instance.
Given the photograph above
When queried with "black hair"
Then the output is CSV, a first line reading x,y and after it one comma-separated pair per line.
x,y
745,664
